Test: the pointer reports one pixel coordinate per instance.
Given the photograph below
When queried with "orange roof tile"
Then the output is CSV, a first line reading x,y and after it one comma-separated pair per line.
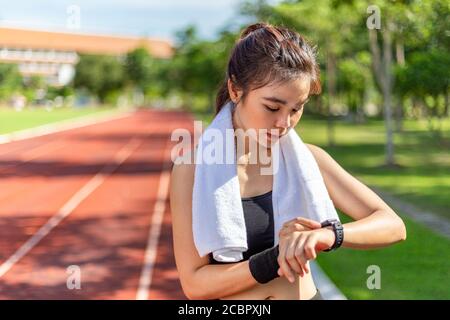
x,y
82,43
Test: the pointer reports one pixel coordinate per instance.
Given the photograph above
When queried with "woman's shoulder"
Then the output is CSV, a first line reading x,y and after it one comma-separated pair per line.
x,y
313,148
323,158
183,169
185,161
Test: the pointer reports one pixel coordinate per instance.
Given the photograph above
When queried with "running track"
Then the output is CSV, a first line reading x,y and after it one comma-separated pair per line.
x,y
95,197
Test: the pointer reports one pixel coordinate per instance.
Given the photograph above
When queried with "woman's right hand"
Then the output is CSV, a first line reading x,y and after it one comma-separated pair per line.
x,y
288,237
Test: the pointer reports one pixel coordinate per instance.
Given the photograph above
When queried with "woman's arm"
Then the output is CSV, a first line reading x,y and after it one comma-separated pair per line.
x,y
198,278
376,224
218,281
379,229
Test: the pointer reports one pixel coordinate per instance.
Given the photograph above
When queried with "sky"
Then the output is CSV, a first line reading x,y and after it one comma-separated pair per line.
x,y
151,18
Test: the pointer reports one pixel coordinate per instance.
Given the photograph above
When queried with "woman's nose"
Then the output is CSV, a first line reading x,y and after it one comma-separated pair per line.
x,y
283,122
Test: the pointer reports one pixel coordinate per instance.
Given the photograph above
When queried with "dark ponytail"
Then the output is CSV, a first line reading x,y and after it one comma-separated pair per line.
x,y
223,96
264,54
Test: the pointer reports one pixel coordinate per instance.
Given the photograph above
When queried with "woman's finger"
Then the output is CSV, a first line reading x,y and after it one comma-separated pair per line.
x,y
290,254
298,224
294,227
308,252
285,268
299,256
287,223
304,221
308,223
280,272
310,248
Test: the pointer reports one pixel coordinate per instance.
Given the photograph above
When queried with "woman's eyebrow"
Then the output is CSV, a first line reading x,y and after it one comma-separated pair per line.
x,y
276,100
283,102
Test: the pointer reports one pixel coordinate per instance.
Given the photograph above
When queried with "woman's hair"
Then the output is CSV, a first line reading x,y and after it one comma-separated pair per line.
x,y
266,54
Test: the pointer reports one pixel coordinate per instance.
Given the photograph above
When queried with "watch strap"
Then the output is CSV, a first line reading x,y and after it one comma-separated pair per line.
x,y
338,233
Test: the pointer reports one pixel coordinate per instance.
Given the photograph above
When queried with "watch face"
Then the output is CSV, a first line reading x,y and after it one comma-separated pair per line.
x,y
331,222
325,223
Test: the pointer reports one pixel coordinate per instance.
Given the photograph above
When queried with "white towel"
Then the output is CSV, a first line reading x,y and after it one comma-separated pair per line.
x,y
217,215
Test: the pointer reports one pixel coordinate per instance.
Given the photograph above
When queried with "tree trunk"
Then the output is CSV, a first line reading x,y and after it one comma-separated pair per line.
x,y
400,52
387,91
382,69
400,57
360,117
331,86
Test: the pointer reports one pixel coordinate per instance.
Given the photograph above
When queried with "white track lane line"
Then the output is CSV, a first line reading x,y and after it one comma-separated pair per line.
x,y
64,125
145,280
25,149
70,205
29,156
33,154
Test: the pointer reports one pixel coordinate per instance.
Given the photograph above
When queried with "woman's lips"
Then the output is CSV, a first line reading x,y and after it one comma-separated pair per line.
x,y
272,137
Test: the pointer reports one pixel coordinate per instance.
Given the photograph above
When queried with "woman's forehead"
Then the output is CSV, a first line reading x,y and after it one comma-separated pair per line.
x,y
290,92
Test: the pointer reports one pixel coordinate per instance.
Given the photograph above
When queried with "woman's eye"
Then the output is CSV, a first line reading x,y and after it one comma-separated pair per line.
x,y
270,109
297,110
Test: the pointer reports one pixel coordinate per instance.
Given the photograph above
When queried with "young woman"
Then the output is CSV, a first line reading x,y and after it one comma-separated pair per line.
x,y
271,73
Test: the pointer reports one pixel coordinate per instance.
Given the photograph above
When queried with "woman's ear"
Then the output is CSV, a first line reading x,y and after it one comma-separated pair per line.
x,y
235,94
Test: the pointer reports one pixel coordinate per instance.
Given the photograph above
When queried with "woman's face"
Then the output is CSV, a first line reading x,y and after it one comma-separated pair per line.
x,y
276,106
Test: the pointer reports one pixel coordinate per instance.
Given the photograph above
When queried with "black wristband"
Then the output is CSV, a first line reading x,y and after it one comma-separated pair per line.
x,y
264,265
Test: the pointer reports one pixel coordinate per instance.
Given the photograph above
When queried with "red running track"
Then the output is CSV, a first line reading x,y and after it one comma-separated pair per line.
x,y
95,198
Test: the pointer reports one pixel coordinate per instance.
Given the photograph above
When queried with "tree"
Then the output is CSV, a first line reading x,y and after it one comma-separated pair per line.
x,y
139,68
425,77
10,80
35,88
330,24
198,66
100,75
421,26
354,81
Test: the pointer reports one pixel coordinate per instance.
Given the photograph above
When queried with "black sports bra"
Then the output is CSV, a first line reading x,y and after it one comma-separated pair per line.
x,y
258,214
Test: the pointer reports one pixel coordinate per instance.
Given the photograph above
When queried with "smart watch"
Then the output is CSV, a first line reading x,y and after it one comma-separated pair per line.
x,y
338,232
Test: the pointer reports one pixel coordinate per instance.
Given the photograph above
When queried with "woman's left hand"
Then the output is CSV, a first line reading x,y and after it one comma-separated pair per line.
x,y
297,247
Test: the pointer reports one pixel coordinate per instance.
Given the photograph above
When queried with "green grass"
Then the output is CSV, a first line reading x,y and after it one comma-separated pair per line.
x,y
11,120
423,177
419,267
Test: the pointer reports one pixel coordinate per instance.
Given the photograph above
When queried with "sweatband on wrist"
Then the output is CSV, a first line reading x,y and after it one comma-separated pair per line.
x,y
264,265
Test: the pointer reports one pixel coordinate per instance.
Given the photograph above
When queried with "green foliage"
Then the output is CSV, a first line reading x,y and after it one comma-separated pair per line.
x,y
198,66
337,27
354,78
425,73
10,80
140,68
100,75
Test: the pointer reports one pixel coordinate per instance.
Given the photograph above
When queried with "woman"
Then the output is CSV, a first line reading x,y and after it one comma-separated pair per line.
x,y
271,73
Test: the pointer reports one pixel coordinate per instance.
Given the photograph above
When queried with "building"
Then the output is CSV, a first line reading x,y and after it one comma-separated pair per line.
x,y
53,55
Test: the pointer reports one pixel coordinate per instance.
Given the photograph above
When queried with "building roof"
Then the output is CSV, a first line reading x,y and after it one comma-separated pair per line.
x,y
82,43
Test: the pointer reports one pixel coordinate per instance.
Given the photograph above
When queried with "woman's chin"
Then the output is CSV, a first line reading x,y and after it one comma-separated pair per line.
x,y
266,143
